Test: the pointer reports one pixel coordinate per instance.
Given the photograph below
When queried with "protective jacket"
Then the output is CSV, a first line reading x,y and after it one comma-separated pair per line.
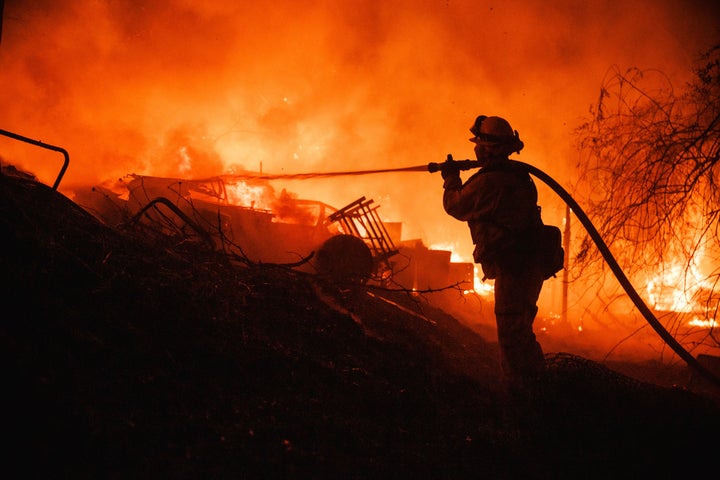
x,y
499,204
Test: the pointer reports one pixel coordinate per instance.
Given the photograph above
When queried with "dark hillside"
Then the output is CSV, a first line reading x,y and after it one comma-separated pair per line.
x,y
125,358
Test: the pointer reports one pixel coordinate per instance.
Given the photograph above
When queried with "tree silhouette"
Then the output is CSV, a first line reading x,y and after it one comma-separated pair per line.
x,y
648,174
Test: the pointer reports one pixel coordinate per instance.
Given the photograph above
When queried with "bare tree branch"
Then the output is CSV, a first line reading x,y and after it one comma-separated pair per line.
x,y
649,177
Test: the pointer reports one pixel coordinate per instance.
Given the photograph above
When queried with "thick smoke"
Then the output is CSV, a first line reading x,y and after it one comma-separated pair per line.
x,y
195,89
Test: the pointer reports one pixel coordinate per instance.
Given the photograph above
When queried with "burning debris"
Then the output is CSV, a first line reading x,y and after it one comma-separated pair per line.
x,y
242,216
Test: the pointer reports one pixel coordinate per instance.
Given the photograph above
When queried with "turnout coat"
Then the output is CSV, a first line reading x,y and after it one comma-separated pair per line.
x,y
499,204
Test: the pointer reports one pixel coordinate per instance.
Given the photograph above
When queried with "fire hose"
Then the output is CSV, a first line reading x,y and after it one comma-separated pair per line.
x,y
609,258
589,227
619,274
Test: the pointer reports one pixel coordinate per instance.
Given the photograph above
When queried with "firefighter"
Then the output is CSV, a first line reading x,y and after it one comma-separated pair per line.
x,y
499,204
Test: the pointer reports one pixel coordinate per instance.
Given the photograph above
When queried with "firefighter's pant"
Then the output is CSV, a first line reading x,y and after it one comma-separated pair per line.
x,y
516,296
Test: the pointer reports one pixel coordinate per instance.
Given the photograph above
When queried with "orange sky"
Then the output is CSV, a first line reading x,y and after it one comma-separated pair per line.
x,y
321,85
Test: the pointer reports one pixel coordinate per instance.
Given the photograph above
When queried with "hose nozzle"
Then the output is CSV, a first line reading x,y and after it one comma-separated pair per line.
x,y
457,164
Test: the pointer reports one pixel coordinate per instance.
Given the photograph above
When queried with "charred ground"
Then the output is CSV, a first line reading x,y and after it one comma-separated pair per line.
x,y
130,358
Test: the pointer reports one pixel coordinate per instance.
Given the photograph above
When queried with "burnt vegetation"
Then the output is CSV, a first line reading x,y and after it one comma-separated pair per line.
x,y
130,357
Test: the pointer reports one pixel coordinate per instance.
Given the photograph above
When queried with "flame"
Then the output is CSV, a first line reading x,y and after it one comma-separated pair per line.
x,y
680,289
449,247
245,195
706,323
484,289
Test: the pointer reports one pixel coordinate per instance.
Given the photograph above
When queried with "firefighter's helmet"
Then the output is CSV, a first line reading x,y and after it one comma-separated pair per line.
x,y
496,131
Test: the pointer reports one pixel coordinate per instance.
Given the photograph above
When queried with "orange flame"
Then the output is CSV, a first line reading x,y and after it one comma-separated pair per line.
x,y
679,289
484,289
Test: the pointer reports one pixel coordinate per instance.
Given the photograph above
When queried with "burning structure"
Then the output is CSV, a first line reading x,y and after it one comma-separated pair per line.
x,y
244,217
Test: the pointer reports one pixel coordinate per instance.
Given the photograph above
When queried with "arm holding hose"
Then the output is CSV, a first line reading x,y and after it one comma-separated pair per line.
x,y
451,165
450,171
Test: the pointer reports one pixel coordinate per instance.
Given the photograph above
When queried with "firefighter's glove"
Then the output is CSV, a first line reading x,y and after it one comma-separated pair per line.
x,y
449,169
